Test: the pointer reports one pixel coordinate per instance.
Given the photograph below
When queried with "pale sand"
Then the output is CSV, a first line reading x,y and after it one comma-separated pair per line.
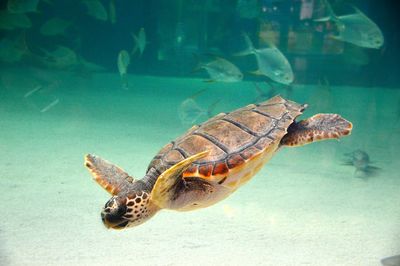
x,y
303,208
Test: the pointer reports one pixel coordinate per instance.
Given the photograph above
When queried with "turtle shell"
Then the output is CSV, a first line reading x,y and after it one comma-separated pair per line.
x,y
232,139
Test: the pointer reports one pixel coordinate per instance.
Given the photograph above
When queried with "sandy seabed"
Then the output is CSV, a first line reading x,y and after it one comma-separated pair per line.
x,y
303,208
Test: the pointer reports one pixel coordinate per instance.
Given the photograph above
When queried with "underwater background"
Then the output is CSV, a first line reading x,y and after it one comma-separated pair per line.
x,y
120,79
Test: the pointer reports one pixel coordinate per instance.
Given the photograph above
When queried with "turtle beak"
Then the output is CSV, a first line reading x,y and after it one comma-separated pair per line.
x,y
118,225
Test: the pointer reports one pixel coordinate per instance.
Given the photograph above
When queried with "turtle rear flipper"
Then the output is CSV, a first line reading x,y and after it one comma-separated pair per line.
x,y
109,176
317,127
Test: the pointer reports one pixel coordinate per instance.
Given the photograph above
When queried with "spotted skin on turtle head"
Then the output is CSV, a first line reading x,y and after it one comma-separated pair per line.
x,y
121,212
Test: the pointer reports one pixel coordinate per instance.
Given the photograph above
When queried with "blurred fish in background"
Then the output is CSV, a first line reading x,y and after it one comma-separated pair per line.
x,y
221,70
190,112
271,62
11,21
391,261
22,6
360,160
60,58
123,62
139,42
112,13
13,48
96,9
55,26
355,28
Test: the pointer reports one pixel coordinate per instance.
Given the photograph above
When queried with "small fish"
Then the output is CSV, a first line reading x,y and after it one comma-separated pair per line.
x,y
22,6
140,42
355,28
10,21
54,26
51,105
271,62
96,9
361,161
391,261
111,12
123,62
29,93
13,50
189,111
222,70
62,57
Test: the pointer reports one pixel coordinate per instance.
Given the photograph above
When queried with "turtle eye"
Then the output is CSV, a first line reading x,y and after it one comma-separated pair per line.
x,y
121,210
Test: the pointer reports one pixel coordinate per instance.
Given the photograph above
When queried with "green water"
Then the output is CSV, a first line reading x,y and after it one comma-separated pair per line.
x,y
64,93
304,207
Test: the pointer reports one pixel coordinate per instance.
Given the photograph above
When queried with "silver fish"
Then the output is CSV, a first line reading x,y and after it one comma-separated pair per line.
x,y
29,93
10,21
54,26
391,261
140,42
96,9
361,161
49,106
190,112
271,63
13,50
123,62
222,70
355,28
22,6
62,57
112,13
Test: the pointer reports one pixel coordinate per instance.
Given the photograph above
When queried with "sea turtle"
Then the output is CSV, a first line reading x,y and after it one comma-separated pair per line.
x,y
210,161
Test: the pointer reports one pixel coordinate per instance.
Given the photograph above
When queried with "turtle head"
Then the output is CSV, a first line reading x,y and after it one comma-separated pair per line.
x,y
127,210
130,203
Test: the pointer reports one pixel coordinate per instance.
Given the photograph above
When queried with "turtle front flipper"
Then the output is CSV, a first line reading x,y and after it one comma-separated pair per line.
x,y
315,128
163,190
109,176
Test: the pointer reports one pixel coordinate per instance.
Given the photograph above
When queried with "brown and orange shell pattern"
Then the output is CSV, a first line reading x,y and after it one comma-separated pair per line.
x,y
232,139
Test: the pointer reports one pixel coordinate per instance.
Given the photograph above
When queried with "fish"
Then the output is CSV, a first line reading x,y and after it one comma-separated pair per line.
x,y
361,161
62,57
54,26
271,62
123,63
391,261
357,28
189,111
139,42
96,9
22,6
221,70
13,50
11,21
49,106
29,93
112,15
